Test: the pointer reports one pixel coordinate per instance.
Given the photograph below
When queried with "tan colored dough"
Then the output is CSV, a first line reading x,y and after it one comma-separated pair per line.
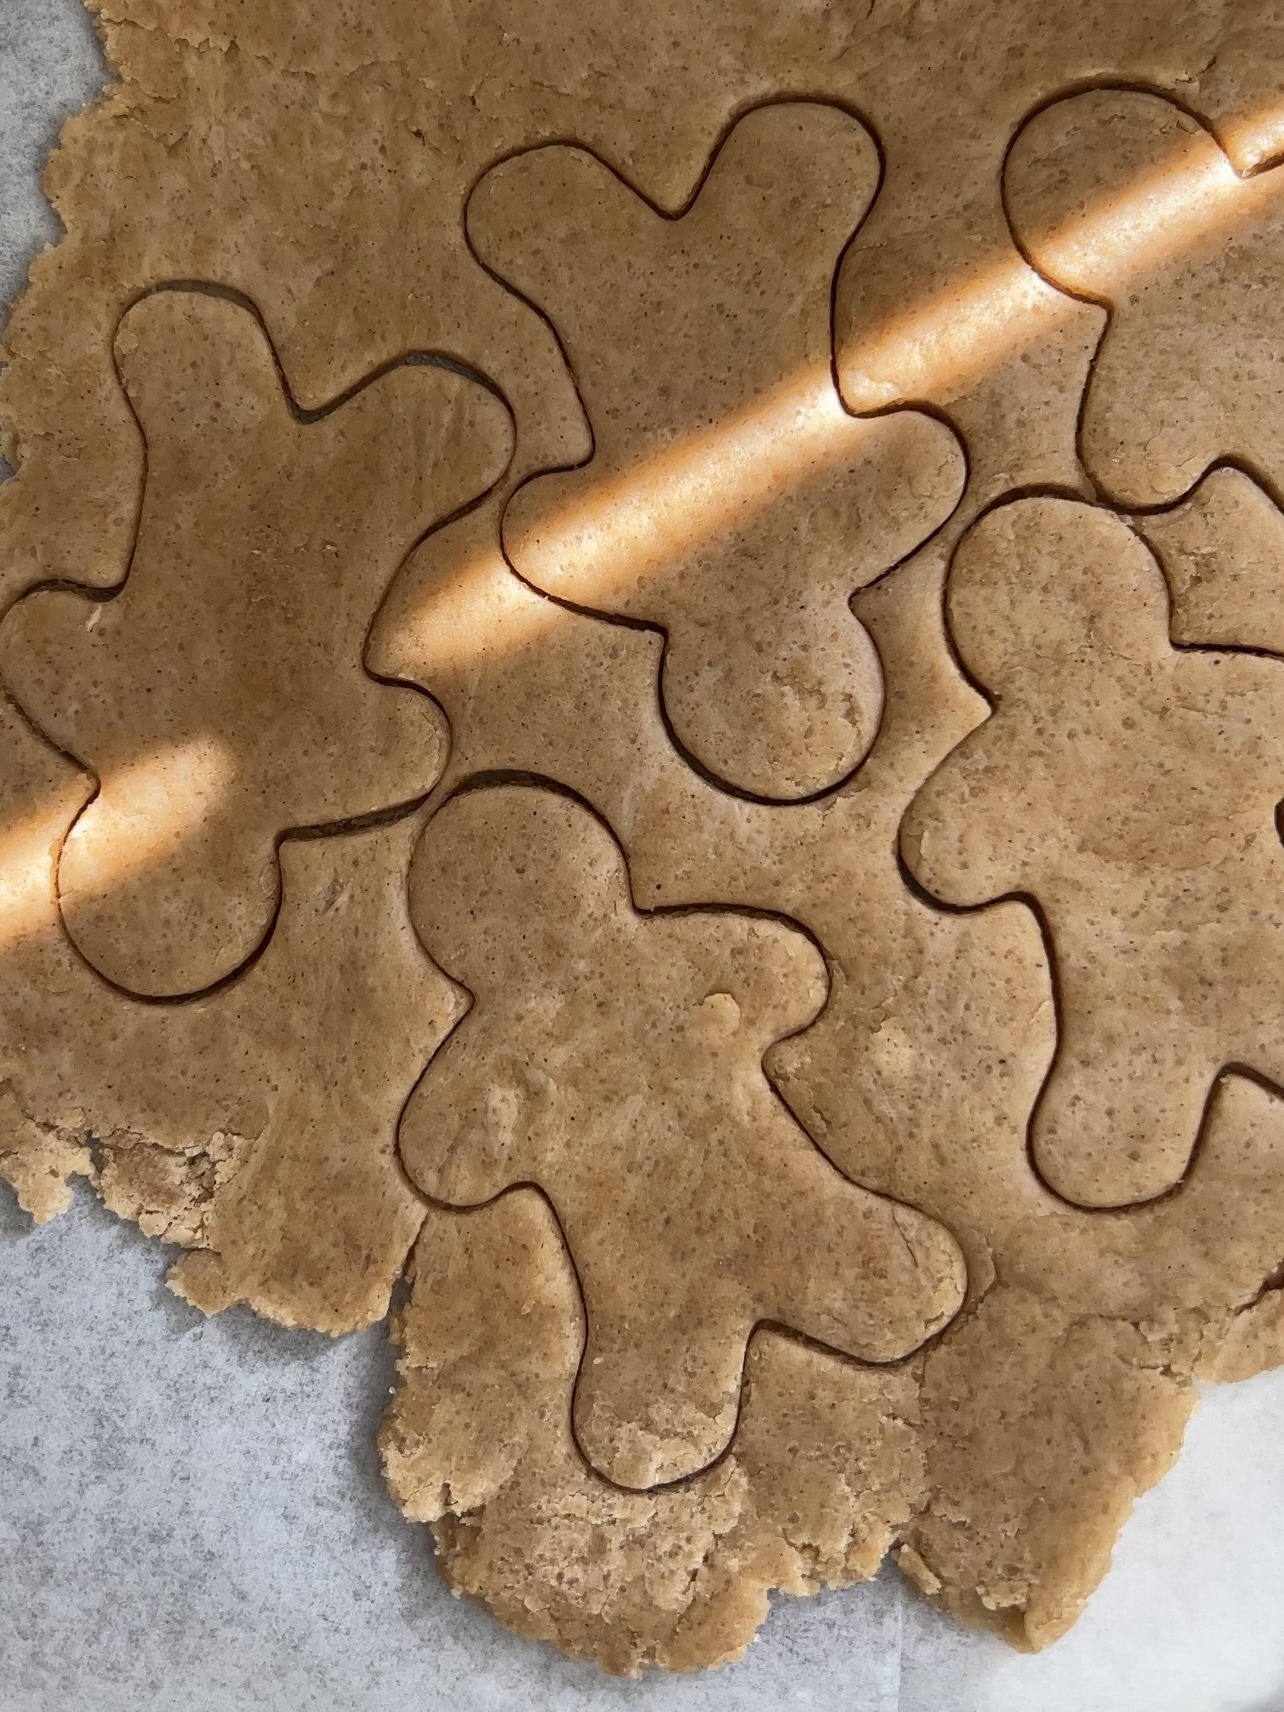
x,y
323,172
614,1059
729,498
1068,1392
1239,89
1039,1419
1222,551
1124,198
934,302
255,1126
233,652
1129,788
824,1468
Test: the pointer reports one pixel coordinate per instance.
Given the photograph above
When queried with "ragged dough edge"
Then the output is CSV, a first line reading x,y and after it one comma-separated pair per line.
x,y
833,1465
38,1160
1048,1537
168,1193
1254,1342
477,1442
175,1196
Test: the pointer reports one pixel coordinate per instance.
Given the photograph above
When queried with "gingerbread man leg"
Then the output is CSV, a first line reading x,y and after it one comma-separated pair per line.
x,y
1121,1110
796,1243
658,1393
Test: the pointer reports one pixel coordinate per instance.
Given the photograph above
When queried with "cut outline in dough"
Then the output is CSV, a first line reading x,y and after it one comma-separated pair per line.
x,y
907,406
482,782
1230,1067
877,141
1150,525
1086,1257
1080,294
99,595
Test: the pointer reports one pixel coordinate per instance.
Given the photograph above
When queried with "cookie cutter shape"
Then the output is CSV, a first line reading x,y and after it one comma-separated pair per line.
x,y
730,498
1123,198
266,540
614,1059
1129,788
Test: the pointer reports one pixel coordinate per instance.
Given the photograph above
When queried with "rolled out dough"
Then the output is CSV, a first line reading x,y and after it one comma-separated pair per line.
x,y
784,305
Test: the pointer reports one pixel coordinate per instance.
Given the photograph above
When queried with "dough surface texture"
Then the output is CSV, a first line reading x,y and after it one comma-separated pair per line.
x,y
616,1060
729,497
641,731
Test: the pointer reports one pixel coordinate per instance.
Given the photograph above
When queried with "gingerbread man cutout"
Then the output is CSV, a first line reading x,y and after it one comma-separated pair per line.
x,y
730,499
614,1059
1122,198
1128,788
227,671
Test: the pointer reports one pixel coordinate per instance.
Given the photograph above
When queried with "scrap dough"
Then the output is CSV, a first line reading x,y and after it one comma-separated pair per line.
x,y
332,184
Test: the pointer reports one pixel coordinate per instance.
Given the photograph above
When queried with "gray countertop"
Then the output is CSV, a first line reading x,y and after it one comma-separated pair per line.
x,y
191,1511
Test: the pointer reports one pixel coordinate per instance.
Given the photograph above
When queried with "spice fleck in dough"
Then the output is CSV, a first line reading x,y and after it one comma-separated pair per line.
x,y
280,183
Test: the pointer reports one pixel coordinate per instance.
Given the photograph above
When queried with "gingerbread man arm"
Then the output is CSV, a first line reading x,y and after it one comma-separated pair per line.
x,y
466,1133
529,213
960,838
757,975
